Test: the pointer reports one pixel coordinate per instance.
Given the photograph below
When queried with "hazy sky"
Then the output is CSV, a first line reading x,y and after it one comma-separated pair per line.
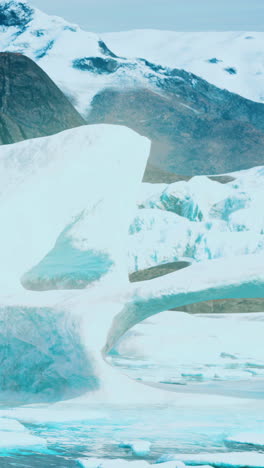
x,y
181,15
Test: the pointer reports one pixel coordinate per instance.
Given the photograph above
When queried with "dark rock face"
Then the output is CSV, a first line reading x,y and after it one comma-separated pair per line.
x,y
105,50
224,306
157,271
195,127
97,65
31,105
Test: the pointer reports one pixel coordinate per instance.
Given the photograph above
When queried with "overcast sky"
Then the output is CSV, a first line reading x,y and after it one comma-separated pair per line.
x,y
177,15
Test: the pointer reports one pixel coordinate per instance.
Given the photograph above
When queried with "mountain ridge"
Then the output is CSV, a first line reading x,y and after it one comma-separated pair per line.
x,y
195,127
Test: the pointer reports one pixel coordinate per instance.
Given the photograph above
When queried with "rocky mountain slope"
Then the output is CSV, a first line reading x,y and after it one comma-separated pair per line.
x,y
195,127
31,105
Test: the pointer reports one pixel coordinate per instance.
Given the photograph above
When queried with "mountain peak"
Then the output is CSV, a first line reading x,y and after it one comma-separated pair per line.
x,y
15,13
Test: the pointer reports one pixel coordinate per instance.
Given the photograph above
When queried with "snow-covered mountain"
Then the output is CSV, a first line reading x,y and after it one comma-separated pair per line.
x,y
231,60
191,123
65,52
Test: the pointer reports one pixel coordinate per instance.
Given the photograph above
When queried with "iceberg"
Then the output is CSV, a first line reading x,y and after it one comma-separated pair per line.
x,y
46,184
73,217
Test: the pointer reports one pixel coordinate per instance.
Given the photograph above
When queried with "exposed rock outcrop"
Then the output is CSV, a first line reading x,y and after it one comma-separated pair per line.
x,y
31,105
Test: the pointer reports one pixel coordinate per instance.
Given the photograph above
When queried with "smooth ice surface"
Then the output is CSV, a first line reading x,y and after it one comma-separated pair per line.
x,y
17,440
175,347
100,463
14,436
11,425
224,460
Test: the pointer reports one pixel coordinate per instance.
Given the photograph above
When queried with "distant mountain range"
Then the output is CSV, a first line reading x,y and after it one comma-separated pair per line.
x,y
195,127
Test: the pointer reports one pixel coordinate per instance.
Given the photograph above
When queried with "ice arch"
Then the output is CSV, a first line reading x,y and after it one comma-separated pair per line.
x,y
207,281
213,280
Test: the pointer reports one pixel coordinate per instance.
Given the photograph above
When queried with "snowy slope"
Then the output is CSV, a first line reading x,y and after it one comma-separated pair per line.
x,y
230,60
